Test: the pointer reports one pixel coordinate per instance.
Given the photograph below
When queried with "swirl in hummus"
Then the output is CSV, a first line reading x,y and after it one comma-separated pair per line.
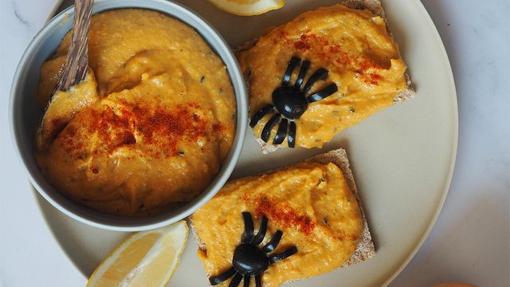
x,y
150,125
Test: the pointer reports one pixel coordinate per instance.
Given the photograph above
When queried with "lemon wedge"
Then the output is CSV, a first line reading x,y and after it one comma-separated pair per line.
x,y
144,259
248,7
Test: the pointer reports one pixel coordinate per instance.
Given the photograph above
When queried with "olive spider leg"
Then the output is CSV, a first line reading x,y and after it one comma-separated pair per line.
x,y
266,131
319,74
257,239
291,137
260,114
236,280
281,133
322,94
280,256
302,73
246,281
293,64
258,280
273,243
248,228
215,280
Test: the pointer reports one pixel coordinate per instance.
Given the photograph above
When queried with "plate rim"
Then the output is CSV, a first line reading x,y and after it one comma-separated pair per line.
x,y
453,148
448,177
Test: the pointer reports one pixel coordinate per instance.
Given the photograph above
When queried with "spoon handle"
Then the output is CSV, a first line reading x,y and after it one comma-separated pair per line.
x,y
76,64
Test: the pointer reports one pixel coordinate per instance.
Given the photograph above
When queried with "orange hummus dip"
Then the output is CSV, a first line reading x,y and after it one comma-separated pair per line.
x,y
150,125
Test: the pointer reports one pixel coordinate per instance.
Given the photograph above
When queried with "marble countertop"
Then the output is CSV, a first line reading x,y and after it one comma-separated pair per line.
x,y
471,240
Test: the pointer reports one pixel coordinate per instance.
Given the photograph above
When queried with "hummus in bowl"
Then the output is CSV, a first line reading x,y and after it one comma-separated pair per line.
x,y
154,130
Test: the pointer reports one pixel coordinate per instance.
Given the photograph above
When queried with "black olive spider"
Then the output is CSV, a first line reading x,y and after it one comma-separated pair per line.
x,y
251,260
291,101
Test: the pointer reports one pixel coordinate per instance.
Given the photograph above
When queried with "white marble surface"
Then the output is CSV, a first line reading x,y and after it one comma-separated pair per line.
x,y
471,240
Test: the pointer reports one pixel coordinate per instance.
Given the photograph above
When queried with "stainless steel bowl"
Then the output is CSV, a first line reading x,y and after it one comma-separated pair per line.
x,y
25,113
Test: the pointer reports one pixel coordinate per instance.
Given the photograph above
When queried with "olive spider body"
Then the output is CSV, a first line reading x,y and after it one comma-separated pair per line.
x,y
249,259
290,102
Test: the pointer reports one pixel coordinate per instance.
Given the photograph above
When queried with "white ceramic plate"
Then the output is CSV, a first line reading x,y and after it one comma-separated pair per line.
x,y
402,158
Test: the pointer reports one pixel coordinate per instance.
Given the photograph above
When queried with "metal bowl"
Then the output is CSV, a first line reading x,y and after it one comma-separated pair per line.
x,y
25,114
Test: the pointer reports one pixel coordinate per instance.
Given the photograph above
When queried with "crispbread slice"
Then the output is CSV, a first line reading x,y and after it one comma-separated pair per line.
x,y
366,246
374,6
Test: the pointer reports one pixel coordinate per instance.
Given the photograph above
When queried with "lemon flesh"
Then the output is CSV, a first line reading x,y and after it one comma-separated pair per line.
x,y
248,7
144,259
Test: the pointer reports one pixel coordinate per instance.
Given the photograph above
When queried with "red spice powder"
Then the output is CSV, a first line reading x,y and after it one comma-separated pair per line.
x,y
301,45
366,64
284,215
325,50
161,130
368,68
373,78
321,48
218,127
128,139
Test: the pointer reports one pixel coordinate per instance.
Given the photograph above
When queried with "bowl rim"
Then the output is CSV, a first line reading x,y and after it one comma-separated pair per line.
x,y
179,12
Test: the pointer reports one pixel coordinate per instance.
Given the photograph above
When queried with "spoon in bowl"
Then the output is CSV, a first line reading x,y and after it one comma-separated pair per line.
x,y
75,67
63,103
